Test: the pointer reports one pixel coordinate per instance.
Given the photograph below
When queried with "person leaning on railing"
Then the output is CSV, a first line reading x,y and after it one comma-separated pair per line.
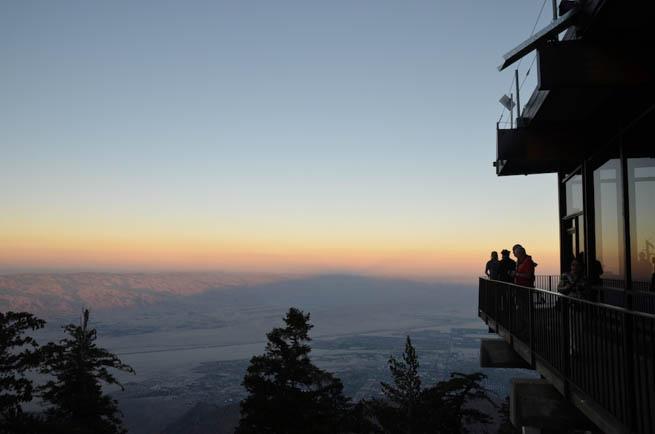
x,y
491,269
574,283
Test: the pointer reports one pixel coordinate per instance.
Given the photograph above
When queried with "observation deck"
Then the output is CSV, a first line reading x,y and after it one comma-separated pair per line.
x,y
601,358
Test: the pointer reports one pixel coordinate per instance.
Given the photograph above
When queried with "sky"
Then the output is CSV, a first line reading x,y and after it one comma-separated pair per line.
x,y
290,136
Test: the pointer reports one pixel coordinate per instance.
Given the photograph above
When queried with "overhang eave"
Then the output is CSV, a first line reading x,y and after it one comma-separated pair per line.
x,y
527,151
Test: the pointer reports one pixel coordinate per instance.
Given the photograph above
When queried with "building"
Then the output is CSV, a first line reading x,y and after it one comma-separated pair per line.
x,y
590,121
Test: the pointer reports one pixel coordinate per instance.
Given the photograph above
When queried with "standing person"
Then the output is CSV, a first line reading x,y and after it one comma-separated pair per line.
x,y
505,267
491,270
524,274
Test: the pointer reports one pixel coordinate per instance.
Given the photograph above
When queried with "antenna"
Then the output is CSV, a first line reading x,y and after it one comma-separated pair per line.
x,y
518,101
554,10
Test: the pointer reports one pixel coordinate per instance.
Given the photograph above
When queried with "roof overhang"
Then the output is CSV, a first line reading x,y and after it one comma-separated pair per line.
x,y
539,38
527,151
581,64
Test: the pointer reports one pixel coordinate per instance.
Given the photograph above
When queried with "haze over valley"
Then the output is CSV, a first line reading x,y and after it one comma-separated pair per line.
x,y
190,336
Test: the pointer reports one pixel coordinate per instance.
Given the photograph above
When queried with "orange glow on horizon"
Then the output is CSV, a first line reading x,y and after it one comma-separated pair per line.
x,y
430,259
426,249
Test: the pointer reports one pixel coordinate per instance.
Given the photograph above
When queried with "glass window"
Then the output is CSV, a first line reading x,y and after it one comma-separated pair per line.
x,y
641,188
580,229
574,195
574,241
609,219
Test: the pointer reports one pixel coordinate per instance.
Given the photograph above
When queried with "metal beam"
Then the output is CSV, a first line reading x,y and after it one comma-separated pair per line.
x,y
530,44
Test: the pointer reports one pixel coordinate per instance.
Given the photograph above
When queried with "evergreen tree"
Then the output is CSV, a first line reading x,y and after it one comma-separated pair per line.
x,y
79,366
287,393
407,384
451,402
445,407
361,418
18,354
405,393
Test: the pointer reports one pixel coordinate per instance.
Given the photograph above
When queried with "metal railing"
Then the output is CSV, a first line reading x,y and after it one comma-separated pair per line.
x,y
610,291
606,352
547,282
550,282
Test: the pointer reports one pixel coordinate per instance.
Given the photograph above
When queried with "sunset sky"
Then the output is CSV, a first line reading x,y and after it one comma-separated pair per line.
x,y
332,136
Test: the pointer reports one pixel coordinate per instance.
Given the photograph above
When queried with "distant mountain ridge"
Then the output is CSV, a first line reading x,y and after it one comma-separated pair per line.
x,y
65,293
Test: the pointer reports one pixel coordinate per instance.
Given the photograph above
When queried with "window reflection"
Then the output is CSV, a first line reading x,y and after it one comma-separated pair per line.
x,y
609,219
641,184
574,195
580,231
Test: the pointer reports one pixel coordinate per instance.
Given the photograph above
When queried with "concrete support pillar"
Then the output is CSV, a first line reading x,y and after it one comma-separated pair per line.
x,y
497,353
535,403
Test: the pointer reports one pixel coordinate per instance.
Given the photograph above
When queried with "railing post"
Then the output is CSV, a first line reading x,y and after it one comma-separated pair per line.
x,y
550,282
494,293
512,305
482,297
533,294
629,354
566,345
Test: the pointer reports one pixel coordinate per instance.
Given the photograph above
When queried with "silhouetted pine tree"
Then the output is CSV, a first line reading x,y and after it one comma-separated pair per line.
x,y
405,394
445,407
78,366
451,401
287,393
361,418
18,354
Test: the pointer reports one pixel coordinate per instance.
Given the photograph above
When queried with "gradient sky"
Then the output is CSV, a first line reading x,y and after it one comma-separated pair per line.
x,y
350,136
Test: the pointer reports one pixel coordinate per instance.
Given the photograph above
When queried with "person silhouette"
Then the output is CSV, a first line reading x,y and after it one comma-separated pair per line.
x,y
505,267
491,270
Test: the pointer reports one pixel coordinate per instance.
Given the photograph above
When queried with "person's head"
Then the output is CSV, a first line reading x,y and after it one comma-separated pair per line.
x,y
505,253
519,251
577,267
494,255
